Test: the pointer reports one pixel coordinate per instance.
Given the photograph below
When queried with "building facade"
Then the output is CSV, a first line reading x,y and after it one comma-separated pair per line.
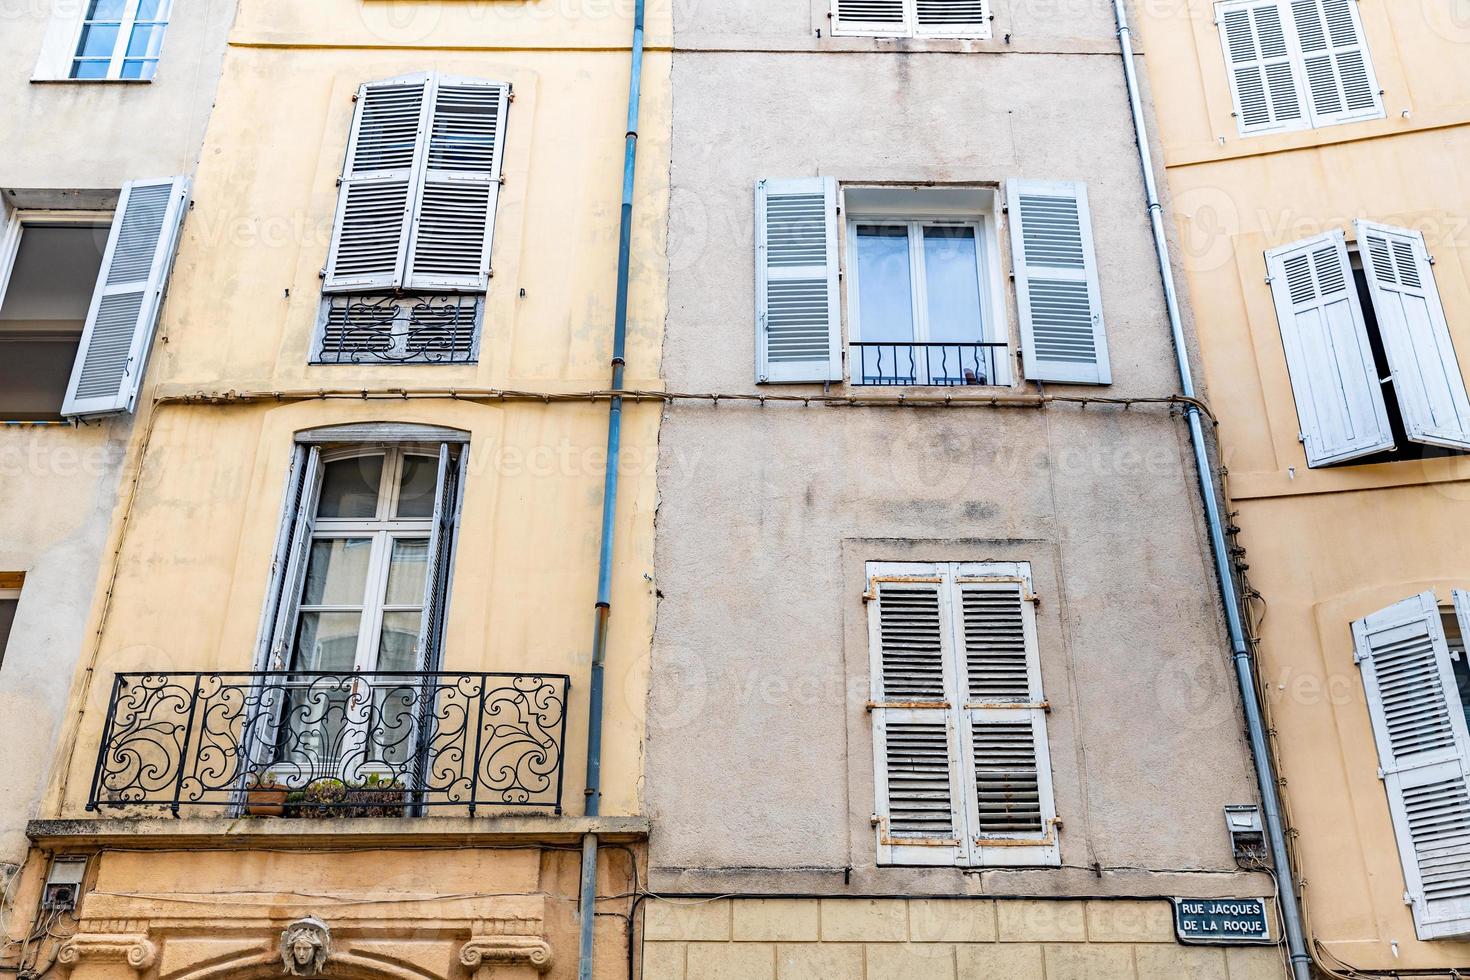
x,y
100,104
940,684
336,718
1313,152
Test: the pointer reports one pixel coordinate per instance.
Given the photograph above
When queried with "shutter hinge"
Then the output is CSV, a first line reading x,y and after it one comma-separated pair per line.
x,y
875,821
869,596
1408,899
1381,773
1431,259
1270,279
1301,437
1033,598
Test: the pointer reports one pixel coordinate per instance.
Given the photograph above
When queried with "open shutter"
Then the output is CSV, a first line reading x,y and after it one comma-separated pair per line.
x,y
1416,335
1263,83
952,18
798,311
1339,76
1012,811
1057,293
1424,756
129,294
1339,402
915,736
440,540
454,205
288,596
883,17
375,198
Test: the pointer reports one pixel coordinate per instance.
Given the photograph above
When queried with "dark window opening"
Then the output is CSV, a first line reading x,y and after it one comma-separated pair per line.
x,y
1459,660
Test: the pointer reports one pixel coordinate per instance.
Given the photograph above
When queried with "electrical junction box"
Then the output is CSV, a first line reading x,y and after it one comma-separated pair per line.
x,y
64,882
1247,833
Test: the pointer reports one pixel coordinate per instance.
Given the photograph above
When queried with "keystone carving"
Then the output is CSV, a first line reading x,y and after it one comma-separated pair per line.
x,y
305,946
134,949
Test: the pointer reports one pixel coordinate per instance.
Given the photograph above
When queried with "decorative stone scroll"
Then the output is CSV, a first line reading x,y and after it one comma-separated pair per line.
x,y
134,949
511,940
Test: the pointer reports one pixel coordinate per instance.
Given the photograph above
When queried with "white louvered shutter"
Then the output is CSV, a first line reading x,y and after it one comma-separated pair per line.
x,y
1340,83
1416,336
375,198
1339,402
798,310
123,315
1011,809
1263,83
916,740
887,18
1424,756
952,18
1057,292
454,202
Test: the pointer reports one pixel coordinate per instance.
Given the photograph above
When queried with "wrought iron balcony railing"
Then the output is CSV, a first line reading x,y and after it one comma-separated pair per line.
x,y
355,744
902,363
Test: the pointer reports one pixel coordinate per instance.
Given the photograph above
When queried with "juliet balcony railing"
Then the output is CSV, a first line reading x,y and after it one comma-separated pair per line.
x,y
332,744
902,363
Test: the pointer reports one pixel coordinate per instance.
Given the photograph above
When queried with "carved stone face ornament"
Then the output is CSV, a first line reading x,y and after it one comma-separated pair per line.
x,y
305,946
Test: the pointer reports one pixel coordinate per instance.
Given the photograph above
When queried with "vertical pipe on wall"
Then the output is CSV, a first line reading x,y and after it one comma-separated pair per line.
x,y
1244,673
603,608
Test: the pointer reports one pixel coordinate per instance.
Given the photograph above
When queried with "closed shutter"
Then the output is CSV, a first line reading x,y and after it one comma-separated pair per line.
x,y
454,205
798,312
1424,756
1263,83
376,195
887,18
123,315
1416,336
916,739
1339,402
1057,292
1012,809
1340,82
952,18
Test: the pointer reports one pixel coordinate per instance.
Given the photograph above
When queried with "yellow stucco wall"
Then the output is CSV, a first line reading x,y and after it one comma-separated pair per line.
x,y
242,303
1324,546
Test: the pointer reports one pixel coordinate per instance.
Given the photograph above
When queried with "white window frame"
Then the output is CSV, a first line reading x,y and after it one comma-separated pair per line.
x,y
1297,60
993,323
911,27
128,21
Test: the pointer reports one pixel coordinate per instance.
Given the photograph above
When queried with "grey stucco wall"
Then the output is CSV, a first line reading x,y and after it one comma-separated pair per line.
x,y
59,485
759,773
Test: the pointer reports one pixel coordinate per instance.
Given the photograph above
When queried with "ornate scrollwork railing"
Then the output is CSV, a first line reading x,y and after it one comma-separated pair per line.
x,y
303,744
429,328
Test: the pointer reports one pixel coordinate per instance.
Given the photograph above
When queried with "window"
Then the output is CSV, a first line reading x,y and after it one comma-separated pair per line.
x,y
120,39
1297,64
924,295
1368,350
80,294
10,585
358,599
1415,693
961,764
409,262
912,18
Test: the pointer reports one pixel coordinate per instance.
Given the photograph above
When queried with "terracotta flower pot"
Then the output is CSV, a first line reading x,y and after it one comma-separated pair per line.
x,y
266,801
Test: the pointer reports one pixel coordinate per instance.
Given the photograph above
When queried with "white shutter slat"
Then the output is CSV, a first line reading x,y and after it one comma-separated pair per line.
x,y
1340,82
454,208
1416,335
1424,755
1011,806
376,196
1057,291
798,311
884,17
123,314
915,736
1263,82
1339,401
952,18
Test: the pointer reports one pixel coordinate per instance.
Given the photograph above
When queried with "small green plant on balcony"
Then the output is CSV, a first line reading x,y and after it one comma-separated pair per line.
x,y
375,796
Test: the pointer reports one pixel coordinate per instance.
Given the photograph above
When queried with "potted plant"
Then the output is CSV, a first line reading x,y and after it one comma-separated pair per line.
x,y
375,796
265,796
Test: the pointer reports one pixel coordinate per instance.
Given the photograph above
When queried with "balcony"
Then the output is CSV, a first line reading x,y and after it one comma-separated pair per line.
x,y
332,744
904,363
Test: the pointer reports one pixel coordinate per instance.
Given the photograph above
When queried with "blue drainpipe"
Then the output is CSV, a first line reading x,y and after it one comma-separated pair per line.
x,y
609,512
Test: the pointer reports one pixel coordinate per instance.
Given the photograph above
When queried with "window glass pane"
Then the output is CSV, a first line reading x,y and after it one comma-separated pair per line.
x,y
145,41
98,41
350,487
7,617
326,641
89,69
417,484
152,10
885,297
406,570
953,284
336,574
398,646
106,9
138,69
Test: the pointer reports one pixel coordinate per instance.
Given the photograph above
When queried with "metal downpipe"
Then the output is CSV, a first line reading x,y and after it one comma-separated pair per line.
x,y
593,806
1244,674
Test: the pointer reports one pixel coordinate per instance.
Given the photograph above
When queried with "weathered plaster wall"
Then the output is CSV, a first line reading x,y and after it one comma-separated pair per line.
x,y
760,753
1325,546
